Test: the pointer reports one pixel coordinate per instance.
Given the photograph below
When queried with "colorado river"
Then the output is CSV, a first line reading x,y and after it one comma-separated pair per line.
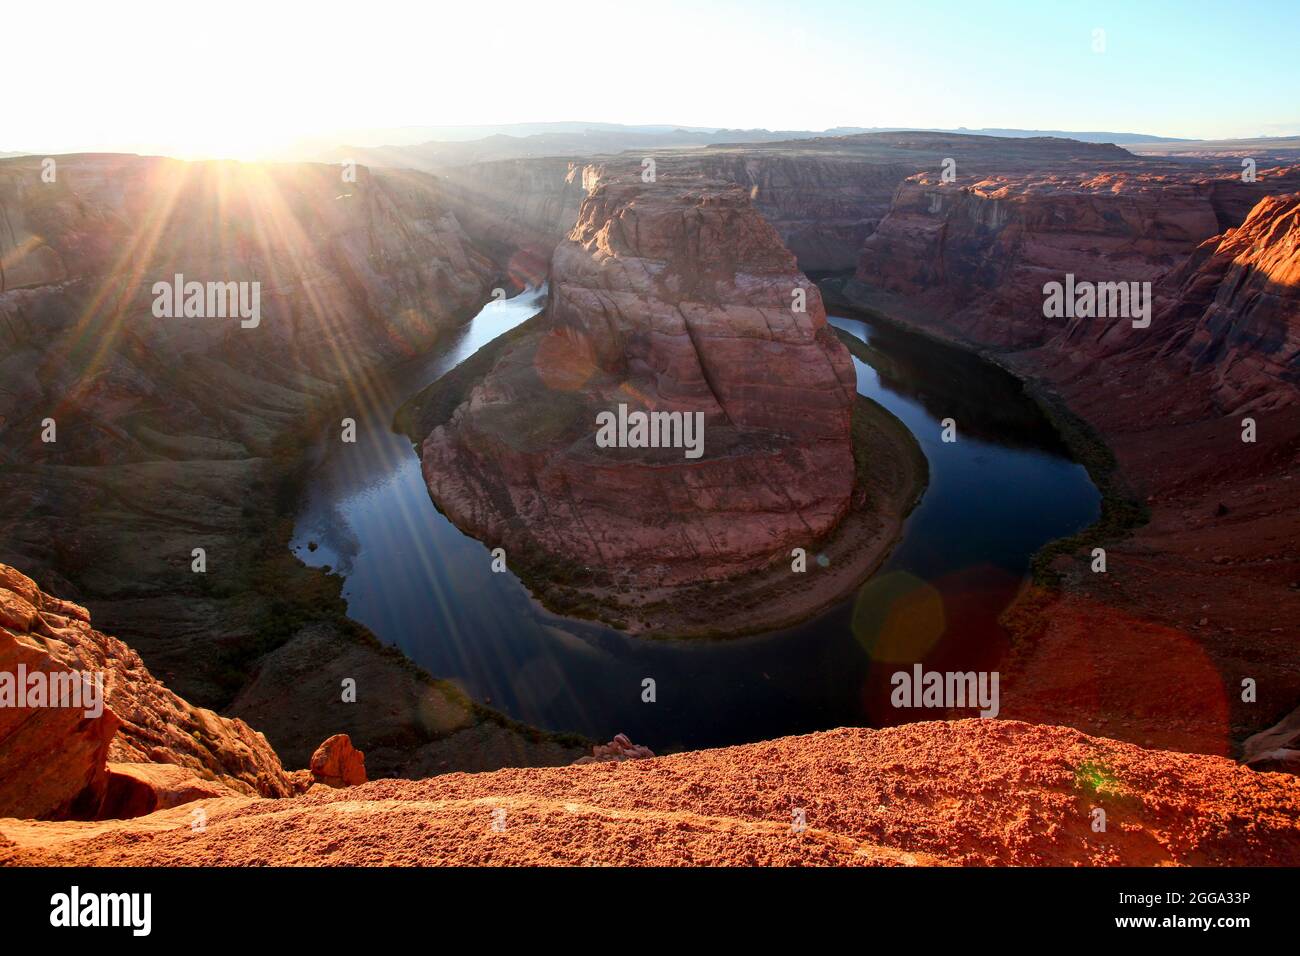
x,y
997,494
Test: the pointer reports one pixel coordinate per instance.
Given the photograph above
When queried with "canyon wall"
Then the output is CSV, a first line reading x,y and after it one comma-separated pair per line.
x,y
176,433
823,196
822,207
975,253
981,253
518,210
1235,309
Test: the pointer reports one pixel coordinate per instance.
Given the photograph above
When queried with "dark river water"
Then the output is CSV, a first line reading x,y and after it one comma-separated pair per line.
x,y
1003,489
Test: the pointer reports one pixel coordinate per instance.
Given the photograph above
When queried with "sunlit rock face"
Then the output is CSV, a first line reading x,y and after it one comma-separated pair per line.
x,y
54,759
975,251
670,296
1236,308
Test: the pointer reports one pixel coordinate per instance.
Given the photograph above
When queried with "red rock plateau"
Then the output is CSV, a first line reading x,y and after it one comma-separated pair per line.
x,y
966,793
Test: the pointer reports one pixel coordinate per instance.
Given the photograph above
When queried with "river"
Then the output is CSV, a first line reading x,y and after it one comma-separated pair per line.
x,y
999,492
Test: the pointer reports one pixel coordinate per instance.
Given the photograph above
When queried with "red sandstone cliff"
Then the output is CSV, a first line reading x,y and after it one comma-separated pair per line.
x,y
1236,308
975,253
980,253
1198,599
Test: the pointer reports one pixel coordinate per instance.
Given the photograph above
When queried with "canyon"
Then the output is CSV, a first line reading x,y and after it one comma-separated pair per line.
x,y
663,294
1203,535
1200,532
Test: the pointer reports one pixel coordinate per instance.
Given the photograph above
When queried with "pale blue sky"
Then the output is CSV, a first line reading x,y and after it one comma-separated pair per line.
x,y
245,77
1195,69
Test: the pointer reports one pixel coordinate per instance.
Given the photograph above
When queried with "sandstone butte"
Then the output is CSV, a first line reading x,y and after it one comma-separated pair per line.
x,y
675,296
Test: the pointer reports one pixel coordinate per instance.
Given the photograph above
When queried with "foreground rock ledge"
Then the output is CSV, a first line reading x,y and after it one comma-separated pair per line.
x,y
965,792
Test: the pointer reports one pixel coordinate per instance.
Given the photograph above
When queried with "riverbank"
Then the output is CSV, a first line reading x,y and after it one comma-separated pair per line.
x,y
1122,511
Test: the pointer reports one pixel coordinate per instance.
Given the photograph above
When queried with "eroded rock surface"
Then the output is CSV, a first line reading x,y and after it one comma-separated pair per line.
x,y
54,760
933,793
1236,308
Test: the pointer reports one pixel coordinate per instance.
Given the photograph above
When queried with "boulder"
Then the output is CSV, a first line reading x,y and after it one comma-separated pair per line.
x,y
1277,748
336,763
54,760
618,749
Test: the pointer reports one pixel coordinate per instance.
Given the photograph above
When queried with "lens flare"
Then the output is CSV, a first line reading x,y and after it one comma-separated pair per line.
x,y
898,617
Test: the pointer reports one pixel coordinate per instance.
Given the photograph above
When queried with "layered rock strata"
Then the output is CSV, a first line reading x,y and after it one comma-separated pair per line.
x,y
1205,565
